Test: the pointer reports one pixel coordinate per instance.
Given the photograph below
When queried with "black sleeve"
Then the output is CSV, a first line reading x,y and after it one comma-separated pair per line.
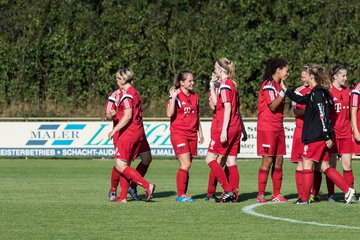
x,y
322,105
297,98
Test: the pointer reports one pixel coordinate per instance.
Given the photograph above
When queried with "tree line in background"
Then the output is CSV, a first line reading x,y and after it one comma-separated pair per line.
x,y
58,58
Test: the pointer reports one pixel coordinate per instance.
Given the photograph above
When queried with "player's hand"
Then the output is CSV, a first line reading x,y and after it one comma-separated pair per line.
x,y
357,136
223,137
214,78
283,86
329,143
201,139
112,112
173,92
111,134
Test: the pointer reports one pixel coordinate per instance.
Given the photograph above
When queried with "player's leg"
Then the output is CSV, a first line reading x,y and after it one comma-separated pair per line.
x,y
308,179
314,197
298,179
219,173
263,176
338,180
133,175
142,168
114,182
234,176
182,178
329,183
212,182
277,176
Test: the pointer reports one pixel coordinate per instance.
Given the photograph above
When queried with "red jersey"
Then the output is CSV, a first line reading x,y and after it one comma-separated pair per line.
x,y
228,93
185,121
112,104
341,117
213,121
268,120
355,101
301,91
134,130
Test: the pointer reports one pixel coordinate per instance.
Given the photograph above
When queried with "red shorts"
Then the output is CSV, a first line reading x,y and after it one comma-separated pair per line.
x,y
356,147
229,148
144,147
316,151
127,151
297,146
183,145
342,146
271,143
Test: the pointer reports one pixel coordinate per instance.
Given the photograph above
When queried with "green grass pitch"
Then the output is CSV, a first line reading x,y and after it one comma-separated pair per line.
x,y
67,199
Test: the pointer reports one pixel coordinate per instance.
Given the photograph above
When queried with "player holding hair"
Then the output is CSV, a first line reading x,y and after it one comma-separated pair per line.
x,y
270,128
185,129
297,146
111,108
317,132
225,139
131,132
341,122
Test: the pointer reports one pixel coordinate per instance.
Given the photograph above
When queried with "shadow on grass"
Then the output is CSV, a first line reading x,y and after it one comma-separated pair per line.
x,y
242,196
164,194
250,195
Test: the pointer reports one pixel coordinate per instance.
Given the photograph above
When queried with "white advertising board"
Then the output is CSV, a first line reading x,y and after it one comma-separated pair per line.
x,y
89,139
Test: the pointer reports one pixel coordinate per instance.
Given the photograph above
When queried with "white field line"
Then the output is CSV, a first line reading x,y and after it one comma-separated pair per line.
x,y
250,210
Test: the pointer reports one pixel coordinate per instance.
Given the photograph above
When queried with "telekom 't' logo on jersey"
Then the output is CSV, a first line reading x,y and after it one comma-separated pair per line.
x,y
337,107
187,110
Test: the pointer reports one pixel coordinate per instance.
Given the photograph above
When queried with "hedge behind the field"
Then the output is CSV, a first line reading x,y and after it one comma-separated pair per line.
x,y
58,58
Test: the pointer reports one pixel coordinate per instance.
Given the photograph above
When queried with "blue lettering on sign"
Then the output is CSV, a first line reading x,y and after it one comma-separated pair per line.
x,y
159,137
47,132
91,141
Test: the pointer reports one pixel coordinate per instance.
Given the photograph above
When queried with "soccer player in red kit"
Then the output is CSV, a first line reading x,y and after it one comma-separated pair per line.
x,y
185,129
270,128
145,153
297,145
317,132
212,182
355,117
131,132
225,140
342,127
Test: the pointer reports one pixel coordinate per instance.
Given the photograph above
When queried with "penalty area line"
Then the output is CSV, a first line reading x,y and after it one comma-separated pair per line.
x,y
250,210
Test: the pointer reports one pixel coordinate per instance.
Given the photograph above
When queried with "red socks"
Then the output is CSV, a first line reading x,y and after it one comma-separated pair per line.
x,y
220,175
317,183
181,181
132,175
337,179
262,180
234,179
349,178
308,181
298,181
142,169
276,177
115,175
330,186
211,184
124,185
